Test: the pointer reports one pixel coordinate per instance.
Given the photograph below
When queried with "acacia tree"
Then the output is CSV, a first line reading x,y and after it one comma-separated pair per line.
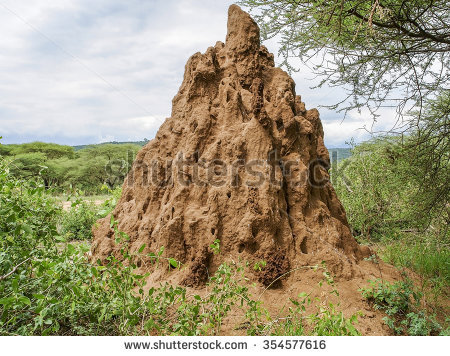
x,y
427,150
103,164
37,160
393,53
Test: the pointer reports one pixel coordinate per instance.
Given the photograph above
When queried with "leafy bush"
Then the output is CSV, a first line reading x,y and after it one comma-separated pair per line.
x,y
383,187
372,190
28,222
110,203
68,296
76,224
401,303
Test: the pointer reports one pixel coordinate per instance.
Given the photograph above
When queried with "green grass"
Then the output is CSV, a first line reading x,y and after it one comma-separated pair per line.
x,y
424,254
426,258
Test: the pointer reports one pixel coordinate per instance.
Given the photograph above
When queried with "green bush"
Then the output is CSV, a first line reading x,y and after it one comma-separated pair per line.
x,y
110,203
28,220
402,304
77,222
382,189
373,191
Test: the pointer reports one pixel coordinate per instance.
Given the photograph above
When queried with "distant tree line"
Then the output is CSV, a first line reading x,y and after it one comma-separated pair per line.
x,y
65,169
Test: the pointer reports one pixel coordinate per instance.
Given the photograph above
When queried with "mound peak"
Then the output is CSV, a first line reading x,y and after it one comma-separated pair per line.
x,y
240,160
242,31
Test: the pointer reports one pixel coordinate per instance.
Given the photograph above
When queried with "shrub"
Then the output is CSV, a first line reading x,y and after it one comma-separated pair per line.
x,y
401,303
385,204
28,223
76,224
371,187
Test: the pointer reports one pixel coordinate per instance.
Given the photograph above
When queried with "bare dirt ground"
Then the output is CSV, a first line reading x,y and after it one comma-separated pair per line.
x,y
67,204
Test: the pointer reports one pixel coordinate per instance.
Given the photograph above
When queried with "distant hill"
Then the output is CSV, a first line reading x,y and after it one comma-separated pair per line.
x,y
140,143
342,153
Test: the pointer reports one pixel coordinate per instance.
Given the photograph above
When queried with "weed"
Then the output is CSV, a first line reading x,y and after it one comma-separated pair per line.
x,y
215,246
259,266
402,304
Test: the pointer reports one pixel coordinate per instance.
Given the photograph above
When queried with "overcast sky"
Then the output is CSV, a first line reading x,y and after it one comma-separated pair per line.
x,y
89,71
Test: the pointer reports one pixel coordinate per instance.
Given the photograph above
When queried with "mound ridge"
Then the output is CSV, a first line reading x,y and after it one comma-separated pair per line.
x,y
240,160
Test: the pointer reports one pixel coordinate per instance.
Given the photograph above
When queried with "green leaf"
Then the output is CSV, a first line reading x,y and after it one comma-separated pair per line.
x,y
15,285
27,229
24,300
161,250
7,301
70,249
102,315
141,248
174,263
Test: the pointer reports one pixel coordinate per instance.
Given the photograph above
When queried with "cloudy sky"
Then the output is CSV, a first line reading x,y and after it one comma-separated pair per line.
x,y
89,71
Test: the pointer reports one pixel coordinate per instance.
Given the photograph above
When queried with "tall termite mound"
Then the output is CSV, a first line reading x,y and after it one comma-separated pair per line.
x,y
241,161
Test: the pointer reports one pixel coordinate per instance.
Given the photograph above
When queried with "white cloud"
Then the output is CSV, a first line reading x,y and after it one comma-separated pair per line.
x,y
75,71
357,126
78,71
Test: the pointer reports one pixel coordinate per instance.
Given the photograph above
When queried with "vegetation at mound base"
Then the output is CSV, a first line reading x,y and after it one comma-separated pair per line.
x,y
48,286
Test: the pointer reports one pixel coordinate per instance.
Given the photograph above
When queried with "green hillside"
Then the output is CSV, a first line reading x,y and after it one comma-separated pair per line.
x,y
139,143
340,153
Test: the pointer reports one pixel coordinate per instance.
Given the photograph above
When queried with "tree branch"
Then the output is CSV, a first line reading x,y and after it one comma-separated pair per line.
x,y
13,270
422,33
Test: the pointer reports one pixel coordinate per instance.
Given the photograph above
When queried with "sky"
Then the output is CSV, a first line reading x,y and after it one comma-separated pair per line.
x,y
82,71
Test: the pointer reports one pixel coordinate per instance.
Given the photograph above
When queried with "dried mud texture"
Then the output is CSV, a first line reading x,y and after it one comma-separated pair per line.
x,y
277,265
195,183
